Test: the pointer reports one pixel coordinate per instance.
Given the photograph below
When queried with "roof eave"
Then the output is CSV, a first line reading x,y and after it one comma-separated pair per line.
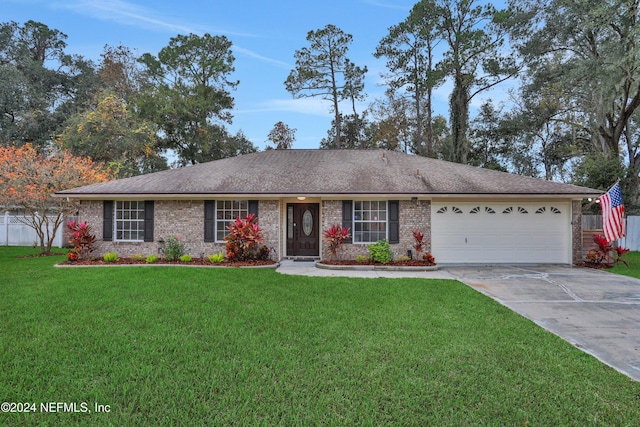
x,y
339,195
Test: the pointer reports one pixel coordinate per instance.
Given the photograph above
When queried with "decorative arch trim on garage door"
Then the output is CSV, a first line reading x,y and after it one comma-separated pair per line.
x,y
501,232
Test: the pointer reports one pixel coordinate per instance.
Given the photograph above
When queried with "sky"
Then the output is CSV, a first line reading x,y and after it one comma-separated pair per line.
x,y
265,36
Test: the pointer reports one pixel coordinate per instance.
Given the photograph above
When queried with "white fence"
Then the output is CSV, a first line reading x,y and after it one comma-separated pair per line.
x,y
15,233
631,241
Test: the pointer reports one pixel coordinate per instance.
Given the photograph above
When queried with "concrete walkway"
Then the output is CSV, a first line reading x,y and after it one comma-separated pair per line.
x,y
596,311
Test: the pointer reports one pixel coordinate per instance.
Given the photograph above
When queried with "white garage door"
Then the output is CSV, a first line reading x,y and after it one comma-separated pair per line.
x,y
517,232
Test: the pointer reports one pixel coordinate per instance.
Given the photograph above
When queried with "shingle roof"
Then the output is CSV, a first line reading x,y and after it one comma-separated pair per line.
x,y
328,172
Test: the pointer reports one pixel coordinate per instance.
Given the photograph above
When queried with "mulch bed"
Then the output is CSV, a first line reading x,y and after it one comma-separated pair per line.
x,y
194,261
601,266
407,263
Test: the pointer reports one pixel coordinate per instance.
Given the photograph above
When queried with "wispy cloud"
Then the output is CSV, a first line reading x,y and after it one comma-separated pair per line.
x,y
255,55
126,13
307,106
388,4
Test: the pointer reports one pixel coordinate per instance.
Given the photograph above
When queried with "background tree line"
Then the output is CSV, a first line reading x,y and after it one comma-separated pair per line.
x,y
573,113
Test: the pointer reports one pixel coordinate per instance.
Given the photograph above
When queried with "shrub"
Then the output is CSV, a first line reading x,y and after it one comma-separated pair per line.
x,y
361,259
111,257
402,258
216,258
380,252
429,258
137,257
243,239
81,238
72,255
619,252
335,237
152,259
603,254
185,258
173,248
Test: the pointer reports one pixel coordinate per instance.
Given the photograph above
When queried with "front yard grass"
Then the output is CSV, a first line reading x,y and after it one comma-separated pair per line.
x,y
186,346
633,269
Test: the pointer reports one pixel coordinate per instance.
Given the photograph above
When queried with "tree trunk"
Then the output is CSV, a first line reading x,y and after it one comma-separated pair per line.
x,y
460,119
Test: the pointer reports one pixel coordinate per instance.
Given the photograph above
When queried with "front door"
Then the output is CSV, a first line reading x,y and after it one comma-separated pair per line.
x,y
303,234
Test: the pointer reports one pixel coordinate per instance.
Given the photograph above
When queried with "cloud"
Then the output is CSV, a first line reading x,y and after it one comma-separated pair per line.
x,y
252,54
131,14
387,4
306,106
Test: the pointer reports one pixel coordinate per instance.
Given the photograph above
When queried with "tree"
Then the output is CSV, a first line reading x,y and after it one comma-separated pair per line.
x,y
112,134
589,50
40,85
391,126
282,136
323,70
353,133
188,97
120,72
29,91
410,48
474,60
28,180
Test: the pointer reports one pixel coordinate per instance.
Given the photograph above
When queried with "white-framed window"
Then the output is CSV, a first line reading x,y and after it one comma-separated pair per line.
x,y
226,212
369,221
129,223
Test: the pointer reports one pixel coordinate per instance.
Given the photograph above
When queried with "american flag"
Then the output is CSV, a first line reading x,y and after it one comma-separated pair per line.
x,y
613,213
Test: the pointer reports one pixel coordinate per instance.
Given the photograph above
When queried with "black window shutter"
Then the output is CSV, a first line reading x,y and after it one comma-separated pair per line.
x,y
347,218
148,221
209,220
394,221
107,220
253,207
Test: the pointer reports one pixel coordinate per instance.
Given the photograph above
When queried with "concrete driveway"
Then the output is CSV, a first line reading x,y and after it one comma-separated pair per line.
x,y
596,311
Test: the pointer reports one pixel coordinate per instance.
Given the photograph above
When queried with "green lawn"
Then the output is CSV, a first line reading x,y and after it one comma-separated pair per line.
x,y
187,346
633,269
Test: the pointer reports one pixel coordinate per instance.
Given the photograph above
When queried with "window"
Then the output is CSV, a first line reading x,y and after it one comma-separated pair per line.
x,y
129,221
369,221
226,212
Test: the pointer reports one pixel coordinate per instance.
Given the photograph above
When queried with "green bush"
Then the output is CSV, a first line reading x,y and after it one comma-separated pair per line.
x,y
216,258
173,248
111,257
152,259
185,258
380,252
361,259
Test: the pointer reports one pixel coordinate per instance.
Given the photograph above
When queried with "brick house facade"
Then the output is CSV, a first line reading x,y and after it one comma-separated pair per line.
x,y
467,214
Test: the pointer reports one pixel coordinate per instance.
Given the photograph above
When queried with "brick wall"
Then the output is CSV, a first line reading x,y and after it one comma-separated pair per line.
x,y
576,231
184,219
413,216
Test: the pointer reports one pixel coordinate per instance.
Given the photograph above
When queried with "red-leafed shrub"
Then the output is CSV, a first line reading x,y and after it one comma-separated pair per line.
x,y
244,239
335,237
81,239
429,258
603,255
419,242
